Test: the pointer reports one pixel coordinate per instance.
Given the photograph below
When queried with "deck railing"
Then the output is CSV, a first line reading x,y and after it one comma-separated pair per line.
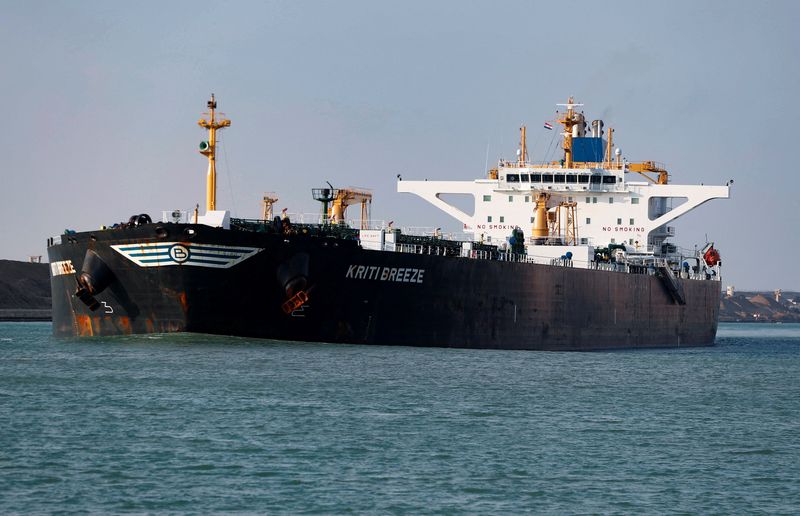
x,y
425,245
649,268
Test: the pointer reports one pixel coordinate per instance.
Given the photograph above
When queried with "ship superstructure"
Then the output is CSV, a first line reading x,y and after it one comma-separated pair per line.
x,y
591,197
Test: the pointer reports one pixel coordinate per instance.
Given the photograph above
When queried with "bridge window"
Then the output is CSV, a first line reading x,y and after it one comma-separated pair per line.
x,y
536,178
583,179
596,179
609,180
559,178
525,178
547,178
487,198
572,178
512,178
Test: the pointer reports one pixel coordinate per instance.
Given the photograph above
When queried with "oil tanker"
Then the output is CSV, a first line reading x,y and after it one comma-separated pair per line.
x,y
568,254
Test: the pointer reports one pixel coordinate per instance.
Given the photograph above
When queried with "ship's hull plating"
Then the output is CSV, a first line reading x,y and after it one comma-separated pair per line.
x,y
343,293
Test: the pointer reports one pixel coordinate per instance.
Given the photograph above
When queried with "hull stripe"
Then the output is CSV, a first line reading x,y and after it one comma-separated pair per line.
x,y
163,254
147,247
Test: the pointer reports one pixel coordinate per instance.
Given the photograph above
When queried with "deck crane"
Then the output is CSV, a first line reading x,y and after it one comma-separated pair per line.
x,y
336,200
345,197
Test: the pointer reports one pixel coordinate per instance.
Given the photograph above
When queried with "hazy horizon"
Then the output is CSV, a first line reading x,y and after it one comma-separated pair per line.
x,y
102,101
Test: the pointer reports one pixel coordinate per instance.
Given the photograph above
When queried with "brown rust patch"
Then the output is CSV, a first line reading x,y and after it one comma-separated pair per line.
x,y
180,296
184,304
83,324
97,324
124,324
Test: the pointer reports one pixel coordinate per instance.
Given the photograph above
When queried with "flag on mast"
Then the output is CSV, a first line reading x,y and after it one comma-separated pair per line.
x,y
548,125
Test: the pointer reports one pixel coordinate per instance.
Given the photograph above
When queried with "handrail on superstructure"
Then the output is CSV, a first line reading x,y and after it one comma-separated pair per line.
x,y
642,168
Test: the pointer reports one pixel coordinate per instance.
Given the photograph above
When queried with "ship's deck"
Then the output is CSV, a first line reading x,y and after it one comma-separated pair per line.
x,y
431,245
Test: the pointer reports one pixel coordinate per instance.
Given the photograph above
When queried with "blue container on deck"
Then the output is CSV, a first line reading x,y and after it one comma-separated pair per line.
x,y
588,149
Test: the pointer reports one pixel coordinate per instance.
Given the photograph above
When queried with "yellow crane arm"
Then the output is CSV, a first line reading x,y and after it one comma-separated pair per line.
x,y
647,167
346,197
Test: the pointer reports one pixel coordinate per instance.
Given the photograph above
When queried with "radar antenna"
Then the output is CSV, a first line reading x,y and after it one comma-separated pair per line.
x,y
569,120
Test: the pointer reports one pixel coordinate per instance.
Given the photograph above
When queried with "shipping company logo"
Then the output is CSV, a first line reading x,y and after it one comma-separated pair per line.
x,y
163,254
179,253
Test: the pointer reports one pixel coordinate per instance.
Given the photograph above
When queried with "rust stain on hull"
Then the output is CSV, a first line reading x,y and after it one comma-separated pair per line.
x,y
83,323
124,324
182,301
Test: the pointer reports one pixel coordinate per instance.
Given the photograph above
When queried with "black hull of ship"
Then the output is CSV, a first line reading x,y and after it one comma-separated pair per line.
x,y
440,301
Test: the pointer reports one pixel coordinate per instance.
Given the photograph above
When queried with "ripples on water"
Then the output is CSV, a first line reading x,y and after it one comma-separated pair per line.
x,y
211,424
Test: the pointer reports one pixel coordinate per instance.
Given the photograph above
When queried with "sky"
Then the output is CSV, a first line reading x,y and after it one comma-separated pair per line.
x,y
101,102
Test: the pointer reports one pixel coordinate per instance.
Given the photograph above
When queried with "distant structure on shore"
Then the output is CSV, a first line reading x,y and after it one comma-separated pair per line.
x,y
775,306
25,290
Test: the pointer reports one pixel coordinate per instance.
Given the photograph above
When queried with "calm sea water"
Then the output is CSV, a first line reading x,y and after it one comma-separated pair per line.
x,y
209,424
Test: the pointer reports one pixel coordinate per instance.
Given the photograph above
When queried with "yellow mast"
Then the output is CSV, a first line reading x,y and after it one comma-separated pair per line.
x,y
523,146
568,121
208,148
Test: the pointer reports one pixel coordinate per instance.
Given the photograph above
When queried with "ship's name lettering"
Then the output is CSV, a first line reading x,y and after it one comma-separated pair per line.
x,y
624,229
62,267
374,272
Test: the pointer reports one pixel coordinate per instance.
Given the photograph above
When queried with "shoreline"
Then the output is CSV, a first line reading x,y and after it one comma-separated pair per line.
x,y
25,315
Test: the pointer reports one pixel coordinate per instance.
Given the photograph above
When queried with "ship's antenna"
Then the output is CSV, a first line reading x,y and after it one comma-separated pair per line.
x,y
609,146
486,165
208,149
